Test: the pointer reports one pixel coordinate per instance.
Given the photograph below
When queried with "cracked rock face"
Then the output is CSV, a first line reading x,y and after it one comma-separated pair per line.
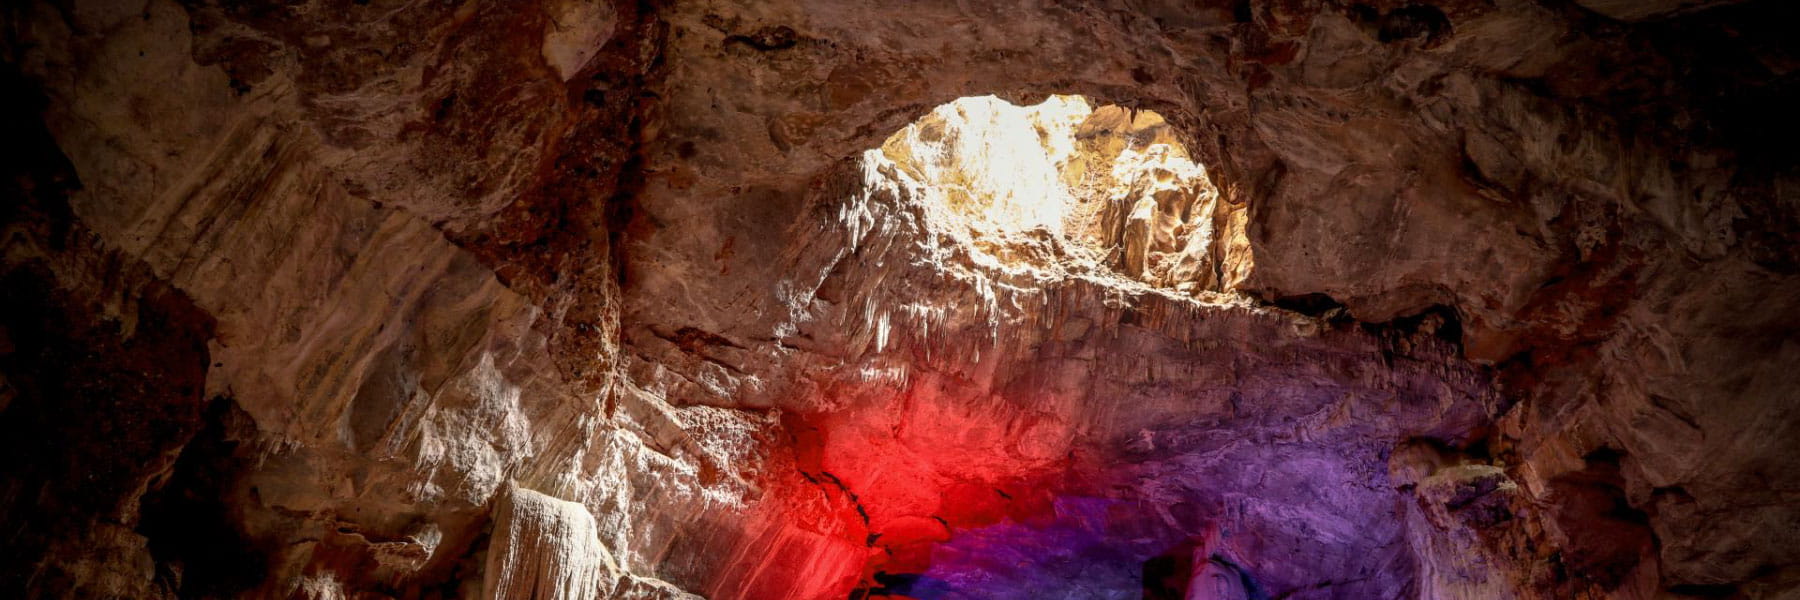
x,y
813,299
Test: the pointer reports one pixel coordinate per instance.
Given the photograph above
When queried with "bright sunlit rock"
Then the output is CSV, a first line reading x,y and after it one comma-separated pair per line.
x,y
997,166
1063,183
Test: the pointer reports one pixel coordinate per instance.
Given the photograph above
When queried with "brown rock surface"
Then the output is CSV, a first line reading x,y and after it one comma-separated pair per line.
x,y
586,299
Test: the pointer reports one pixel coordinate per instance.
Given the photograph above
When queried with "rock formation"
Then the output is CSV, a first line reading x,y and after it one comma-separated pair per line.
x,y
815,299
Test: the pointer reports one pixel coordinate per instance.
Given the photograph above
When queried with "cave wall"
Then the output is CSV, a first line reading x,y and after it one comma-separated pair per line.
x,y
379,295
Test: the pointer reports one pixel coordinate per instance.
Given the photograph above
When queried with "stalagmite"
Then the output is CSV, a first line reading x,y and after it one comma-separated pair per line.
x,y
545,549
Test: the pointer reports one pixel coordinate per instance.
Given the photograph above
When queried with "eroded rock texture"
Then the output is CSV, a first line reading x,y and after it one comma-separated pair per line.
x,y
589,299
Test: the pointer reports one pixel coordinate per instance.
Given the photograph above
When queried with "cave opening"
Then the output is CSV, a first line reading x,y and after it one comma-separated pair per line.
x,y
1098,190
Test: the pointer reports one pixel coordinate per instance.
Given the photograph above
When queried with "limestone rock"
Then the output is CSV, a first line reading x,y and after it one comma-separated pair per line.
x,y
545,549
814,299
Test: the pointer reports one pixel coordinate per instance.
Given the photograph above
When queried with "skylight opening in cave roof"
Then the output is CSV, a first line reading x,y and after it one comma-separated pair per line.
x,y
1062,184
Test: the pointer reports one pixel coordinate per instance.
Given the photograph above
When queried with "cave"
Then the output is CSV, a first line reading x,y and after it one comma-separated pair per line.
x,y
801,299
